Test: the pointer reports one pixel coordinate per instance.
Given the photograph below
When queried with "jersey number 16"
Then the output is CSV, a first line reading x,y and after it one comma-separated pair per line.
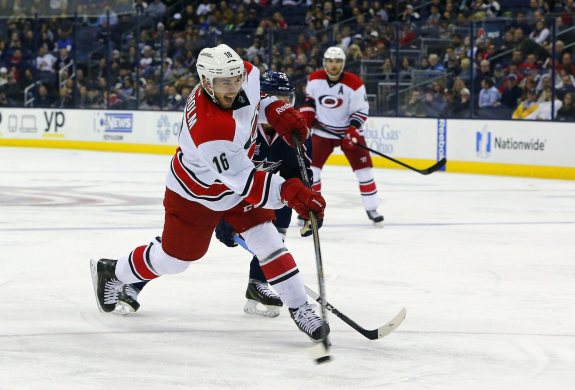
x,y
221,163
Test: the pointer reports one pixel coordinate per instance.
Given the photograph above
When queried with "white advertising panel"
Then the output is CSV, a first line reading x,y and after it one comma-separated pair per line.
x,y
512,142
135,127
402,137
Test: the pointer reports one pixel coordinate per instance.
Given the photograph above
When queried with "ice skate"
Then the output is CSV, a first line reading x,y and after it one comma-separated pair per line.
x,y
106,285
259,294
375,217
300,220
127,300
309,322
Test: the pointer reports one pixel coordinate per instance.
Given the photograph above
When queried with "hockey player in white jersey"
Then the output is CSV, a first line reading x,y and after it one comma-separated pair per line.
x,y
336,103
212,177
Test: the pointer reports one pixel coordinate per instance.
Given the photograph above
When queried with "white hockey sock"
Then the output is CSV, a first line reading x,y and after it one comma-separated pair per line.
x,y
148,262
367,188
316,182
277,264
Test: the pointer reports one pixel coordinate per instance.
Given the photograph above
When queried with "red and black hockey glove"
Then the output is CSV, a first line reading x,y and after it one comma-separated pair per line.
x,y
352,138
302,199
287,121
308,114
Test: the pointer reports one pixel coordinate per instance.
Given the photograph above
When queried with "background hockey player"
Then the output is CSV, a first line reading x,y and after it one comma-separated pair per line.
x,y
212,177
336,101
273,155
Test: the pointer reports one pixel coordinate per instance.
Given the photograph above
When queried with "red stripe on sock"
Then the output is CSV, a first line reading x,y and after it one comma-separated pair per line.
x,y
279,266
316,187
367,188
140,263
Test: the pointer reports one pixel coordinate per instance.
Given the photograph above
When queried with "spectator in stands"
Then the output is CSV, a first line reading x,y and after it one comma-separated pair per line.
x,y
541,33
566,66
407,35
483,72
568,12
492,8
521,22
533,8
489,96
543,88
63,60
435,101
354,53
387,70
566,86
157,10
415,106
526,107
45,62
13,93
511,92
567,111
409,15
545,109
65,100
460,105
3,76
42,98
434,63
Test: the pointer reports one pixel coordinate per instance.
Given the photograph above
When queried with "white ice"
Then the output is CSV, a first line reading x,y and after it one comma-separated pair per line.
x,y
484,265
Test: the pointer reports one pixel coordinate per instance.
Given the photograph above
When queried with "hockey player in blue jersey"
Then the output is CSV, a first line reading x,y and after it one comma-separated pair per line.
x,y
271,154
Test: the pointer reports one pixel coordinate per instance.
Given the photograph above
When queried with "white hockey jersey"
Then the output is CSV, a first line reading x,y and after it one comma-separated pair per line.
x,y
213,165
337,104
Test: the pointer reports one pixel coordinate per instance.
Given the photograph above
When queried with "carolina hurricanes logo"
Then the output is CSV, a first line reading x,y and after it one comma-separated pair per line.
x,y
329,101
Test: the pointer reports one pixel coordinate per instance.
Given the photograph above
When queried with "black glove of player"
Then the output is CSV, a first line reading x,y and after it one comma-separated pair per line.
x,y
225,233
306,231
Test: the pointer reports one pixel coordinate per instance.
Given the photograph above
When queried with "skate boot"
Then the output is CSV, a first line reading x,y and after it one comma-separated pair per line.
x,y
106,285
375,217
306,229
127,300
300,220
259,292
309,322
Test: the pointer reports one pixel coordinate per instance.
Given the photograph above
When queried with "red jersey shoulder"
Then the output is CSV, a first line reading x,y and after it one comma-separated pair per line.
x,y
212,123
249,67
351,80
318,75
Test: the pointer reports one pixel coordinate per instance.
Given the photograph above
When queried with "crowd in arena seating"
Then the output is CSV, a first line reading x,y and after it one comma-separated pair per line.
x,y
146,59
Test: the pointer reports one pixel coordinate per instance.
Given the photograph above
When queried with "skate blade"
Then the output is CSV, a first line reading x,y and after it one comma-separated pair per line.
x,y
378,225
94,272
251,307
123,309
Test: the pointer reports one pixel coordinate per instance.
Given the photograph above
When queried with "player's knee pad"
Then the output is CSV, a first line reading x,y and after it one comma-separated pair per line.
x,y
165,264
364,174
263,239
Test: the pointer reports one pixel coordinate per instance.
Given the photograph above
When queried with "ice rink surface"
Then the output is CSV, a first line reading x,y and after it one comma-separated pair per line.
x,y
484,265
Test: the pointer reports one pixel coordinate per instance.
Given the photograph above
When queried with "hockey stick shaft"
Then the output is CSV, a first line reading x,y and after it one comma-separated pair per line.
x,y
313,219
435,167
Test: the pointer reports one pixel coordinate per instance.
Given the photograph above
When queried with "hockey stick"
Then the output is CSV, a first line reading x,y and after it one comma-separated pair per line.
x,y
435,167
373,334
319,353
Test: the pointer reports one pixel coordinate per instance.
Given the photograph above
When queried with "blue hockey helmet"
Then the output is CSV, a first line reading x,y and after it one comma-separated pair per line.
x,y
278,84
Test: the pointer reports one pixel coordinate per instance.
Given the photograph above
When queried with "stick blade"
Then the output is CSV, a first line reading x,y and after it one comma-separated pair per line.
x,y
392,325
435,167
